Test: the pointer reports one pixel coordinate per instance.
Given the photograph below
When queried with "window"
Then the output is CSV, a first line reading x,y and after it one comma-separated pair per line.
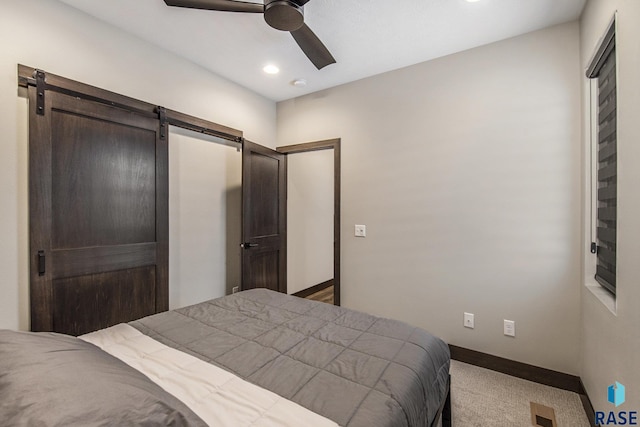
x,y
603,69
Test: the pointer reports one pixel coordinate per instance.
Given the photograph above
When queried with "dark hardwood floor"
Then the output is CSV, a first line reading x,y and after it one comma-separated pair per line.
x,y
325,295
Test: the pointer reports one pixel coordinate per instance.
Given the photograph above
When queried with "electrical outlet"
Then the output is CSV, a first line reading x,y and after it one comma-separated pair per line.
x,y
468,321
509,328
361,230
235,289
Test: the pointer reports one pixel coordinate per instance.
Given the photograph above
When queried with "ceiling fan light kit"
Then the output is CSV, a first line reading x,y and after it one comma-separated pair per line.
x,y
283,15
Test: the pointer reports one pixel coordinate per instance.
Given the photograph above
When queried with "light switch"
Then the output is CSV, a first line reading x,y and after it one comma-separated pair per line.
x,y
361,230
509,328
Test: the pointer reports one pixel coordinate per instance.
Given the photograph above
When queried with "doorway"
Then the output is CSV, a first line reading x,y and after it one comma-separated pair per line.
x,y
313,219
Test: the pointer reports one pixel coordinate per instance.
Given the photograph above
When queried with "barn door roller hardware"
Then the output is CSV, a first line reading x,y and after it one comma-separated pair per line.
x,y
162,116
42,81
40,88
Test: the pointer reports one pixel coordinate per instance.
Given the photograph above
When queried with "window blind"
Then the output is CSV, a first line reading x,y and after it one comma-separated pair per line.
x,y
603,67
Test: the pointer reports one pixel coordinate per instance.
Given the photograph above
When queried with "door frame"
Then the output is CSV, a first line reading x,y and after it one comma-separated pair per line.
x,y
329,144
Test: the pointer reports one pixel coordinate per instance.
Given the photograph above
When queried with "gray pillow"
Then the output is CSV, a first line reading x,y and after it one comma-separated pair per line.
x,y
49,379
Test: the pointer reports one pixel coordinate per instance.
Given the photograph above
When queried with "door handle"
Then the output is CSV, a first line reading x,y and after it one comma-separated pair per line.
x,y
41,263
248,245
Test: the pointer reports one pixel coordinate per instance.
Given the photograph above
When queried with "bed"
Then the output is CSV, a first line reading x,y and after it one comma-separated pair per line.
x,y
256,357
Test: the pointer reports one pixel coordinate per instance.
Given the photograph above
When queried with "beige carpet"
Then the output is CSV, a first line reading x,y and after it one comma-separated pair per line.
x,y
482,398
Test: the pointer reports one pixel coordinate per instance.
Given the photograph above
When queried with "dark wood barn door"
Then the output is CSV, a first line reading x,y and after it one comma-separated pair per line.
x,y
264,217
98,215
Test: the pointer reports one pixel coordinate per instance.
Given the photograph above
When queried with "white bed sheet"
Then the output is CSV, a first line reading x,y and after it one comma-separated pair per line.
x,y
219,397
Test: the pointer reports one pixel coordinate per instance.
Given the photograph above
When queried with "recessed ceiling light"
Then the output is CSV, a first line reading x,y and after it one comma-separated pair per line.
x,y
271,69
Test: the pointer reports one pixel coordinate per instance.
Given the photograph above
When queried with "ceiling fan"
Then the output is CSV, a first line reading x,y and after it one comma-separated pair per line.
x,y
284,15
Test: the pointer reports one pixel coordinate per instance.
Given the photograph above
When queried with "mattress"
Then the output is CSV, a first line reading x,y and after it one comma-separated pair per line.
x,y
350,367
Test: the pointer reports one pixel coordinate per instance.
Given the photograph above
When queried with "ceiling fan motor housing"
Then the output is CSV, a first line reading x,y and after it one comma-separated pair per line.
x,y
283,14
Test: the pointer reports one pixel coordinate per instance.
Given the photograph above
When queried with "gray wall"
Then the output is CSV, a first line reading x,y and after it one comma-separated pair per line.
x,y
50,35
466,172
610,345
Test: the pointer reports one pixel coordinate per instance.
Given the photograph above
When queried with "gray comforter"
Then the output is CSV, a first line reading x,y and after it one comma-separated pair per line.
x,y
351,367
49,379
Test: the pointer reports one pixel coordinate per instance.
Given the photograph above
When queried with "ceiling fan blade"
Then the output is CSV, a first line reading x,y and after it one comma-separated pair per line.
x,y
301,2
220,5
312,47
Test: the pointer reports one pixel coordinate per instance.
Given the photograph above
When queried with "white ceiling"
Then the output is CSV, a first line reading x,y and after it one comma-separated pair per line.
x,y
366,37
